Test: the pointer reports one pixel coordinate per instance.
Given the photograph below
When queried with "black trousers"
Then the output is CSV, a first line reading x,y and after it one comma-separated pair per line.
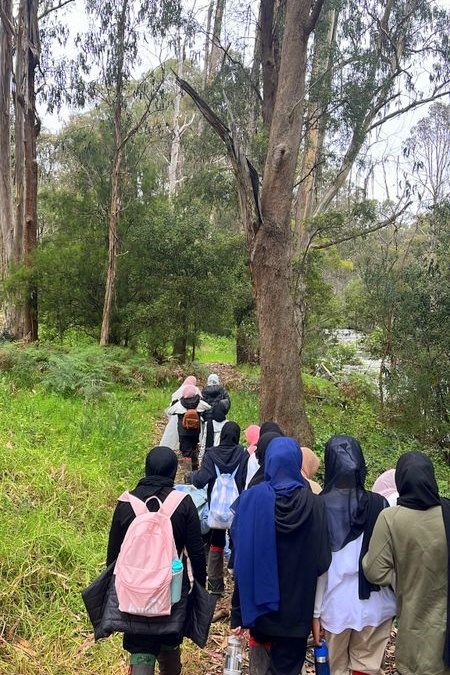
x,y
286,655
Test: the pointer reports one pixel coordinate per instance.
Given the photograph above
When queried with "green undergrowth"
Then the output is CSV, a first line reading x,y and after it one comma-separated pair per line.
x,y
64,459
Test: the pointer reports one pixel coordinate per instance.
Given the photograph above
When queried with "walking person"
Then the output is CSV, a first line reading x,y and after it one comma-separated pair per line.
x,y
281,548
227,457
170,435
252,437
160,469
188,412
412,539
267,432
356,615
217,397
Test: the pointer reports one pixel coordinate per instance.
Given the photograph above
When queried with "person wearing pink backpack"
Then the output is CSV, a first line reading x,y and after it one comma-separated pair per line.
x,y
160,470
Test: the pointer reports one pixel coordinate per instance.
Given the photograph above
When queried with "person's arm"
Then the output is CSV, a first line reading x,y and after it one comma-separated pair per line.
x,y
116,536
378,563
317,630
204,474
194,542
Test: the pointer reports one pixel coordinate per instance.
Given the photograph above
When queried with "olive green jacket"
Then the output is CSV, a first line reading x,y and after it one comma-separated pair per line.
x,y
408,549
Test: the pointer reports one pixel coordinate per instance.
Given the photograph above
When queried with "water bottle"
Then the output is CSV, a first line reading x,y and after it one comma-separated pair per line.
x,y
177,581
233,656
321,659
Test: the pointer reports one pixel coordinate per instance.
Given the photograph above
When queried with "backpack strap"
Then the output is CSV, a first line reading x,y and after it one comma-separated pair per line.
x,y
171,502
233,475
167,507
139,507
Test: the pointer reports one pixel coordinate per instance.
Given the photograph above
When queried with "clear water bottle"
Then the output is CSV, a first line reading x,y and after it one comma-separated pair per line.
x,y
321,659
233,656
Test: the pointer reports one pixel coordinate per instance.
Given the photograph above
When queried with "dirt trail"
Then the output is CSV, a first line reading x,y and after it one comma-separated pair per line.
x,y
220,629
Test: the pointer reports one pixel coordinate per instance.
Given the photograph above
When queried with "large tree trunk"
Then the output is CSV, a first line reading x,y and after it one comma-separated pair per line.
x,y
266,215
19,226
6,211
282,396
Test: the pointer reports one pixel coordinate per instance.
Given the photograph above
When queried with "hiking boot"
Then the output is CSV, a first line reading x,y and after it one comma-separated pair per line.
x,y
169,662
215,572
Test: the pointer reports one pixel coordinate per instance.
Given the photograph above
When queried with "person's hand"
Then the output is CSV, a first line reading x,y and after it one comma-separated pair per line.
x,y
317,632
240,632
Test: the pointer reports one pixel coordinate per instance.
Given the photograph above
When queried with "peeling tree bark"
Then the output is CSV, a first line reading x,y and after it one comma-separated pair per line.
x,y
19,224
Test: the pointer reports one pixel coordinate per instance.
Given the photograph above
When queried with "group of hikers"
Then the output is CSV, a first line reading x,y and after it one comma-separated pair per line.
x,y
336,561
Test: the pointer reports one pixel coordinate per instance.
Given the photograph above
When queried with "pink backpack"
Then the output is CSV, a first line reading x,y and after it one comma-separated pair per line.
x,y
143,570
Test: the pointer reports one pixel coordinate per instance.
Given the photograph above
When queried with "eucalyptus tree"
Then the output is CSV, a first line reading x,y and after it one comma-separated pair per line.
x,y
266,213
110,54
19,61
362,75
427,151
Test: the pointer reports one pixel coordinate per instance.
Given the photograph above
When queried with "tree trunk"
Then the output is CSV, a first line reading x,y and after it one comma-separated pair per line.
x,y
215,51
316,124
266,216
19,227
113,234
179,350
116,181
6,210
31,132
177,130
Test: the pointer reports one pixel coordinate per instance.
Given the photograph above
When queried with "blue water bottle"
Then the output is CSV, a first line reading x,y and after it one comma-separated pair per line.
x,y
321,659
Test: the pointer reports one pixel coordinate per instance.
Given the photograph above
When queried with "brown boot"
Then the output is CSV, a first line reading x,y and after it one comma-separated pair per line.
x,y
215,571
169,662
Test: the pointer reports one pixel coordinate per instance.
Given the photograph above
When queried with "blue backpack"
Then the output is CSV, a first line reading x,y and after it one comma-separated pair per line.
x,y
200,498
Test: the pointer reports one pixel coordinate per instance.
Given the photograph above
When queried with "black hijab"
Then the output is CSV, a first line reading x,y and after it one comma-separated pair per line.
x,y
416,484
230,434
417,489
351,510
160,468
343,492
269,426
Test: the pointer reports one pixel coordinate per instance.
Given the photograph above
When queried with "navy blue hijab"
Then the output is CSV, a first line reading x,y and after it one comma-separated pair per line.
x,y
254,530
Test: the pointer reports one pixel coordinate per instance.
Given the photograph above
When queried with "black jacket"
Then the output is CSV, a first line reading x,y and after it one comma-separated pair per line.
x,y
213,394
303,554
187,534
226,458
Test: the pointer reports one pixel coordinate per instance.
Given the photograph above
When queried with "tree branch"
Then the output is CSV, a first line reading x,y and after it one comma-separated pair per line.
x,y
412,105
361,233
246,175
9,25
48,11
314,15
